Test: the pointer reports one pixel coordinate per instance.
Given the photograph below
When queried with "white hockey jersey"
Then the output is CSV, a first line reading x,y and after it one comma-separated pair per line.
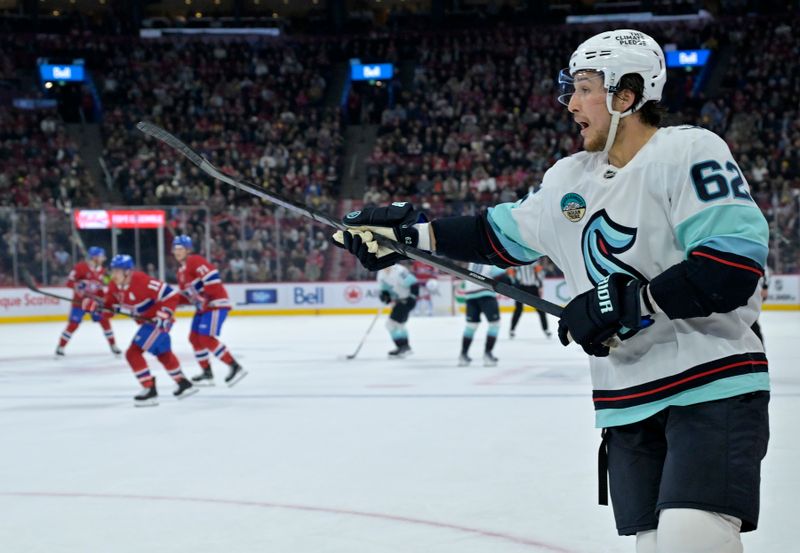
x,y
397,280
682,190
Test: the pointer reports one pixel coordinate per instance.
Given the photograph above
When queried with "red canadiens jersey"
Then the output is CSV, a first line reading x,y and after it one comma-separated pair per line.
x,y
143,296
423,272
201,285
86,281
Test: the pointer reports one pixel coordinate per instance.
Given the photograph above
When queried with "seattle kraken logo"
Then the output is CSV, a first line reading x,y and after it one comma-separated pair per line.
x,y
602,239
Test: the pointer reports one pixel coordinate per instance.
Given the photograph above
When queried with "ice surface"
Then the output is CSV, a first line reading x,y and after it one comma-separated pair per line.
x,y
312,453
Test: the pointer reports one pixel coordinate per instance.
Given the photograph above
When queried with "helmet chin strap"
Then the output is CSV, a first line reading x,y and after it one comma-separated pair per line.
x,y
615,117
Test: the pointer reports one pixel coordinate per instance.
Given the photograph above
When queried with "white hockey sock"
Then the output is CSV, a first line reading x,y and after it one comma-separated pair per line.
x,y
646,541
696,531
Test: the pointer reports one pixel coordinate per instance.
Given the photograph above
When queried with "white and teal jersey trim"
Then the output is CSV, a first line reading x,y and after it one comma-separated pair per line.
x,y
681,191
470,291
397,280
738,229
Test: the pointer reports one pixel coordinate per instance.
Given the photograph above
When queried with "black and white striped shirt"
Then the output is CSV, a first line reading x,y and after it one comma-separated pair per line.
x,y
528,276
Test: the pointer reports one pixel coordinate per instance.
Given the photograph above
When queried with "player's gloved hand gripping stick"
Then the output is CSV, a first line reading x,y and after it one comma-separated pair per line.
x,y
596,316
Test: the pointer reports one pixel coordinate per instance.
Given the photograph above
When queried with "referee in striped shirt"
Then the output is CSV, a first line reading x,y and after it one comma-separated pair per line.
x,y
528,278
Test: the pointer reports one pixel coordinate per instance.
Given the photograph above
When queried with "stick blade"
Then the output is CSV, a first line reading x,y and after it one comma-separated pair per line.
x,y
27,279
170,140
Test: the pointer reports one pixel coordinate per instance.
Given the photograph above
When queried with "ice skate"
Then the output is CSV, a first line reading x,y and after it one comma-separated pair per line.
x,y
464,360
205,378
185,389
59,352
489,360
400,352
236,373
148,397
115,350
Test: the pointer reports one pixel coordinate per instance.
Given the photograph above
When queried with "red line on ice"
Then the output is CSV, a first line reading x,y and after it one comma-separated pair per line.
x,y
307,508
494,379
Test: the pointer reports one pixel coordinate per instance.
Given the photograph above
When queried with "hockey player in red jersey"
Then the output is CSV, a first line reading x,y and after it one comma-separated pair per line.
x,y
86,281
153,303
202,287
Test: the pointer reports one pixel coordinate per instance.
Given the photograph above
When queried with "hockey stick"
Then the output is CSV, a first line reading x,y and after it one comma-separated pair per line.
x,y
440,263
369,329
28,280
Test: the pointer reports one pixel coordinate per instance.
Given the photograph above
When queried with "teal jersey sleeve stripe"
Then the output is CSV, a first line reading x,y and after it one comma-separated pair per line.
x,y
739,246
507,231
719,389
729,221
496,272
410,280
385,287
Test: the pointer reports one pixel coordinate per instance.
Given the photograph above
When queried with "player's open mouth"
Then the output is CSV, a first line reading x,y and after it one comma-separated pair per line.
x,y
583,125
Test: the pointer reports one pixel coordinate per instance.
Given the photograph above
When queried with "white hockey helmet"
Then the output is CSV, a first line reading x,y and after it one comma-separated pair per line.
x,y
614,54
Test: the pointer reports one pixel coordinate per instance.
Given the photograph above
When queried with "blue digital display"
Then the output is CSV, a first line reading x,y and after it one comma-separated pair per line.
x,y
261,296
72,72
687,58
371,72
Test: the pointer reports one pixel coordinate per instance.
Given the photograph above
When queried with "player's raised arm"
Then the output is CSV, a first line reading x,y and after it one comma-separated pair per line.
x,y
494,237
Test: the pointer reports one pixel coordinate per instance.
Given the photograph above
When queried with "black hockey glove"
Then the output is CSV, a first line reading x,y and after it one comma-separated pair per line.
x,y
385,297
611,307
395,221
414,290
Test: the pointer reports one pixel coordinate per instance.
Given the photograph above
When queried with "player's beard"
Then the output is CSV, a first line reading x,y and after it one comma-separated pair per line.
x,y
596,141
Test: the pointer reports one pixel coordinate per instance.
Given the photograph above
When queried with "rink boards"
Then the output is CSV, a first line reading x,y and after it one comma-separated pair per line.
x,y
331,298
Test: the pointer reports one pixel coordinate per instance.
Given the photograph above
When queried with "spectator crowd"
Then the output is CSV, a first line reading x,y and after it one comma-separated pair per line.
x,y
474,122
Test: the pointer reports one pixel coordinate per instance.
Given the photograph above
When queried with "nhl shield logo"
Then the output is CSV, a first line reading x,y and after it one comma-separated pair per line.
x,y
573,206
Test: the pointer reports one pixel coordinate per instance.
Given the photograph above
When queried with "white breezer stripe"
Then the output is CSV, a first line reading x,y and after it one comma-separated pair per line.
x,y
151,339
214,322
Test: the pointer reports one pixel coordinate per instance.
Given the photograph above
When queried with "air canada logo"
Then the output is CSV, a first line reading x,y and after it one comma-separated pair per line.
x,y
353,293
602,240
573,206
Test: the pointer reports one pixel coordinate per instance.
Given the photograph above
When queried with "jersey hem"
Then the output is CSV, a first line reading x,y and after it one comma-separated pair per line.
x,y
720,389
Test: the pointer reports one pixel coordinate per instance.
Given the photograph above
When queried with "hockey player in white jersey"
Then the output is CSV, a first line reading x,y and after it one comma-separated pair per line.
x,y
398,286
663,248
479,301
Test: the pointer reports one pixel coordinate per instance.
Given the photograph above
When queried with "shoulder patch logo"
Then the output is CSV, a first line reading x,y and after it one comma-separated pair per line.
x,y
353,214
573,206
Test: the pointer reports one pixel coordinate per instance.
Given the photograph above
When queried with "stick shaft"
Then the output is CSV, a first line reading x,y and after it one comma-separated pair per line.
x,y
440,263
28,280
366,334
